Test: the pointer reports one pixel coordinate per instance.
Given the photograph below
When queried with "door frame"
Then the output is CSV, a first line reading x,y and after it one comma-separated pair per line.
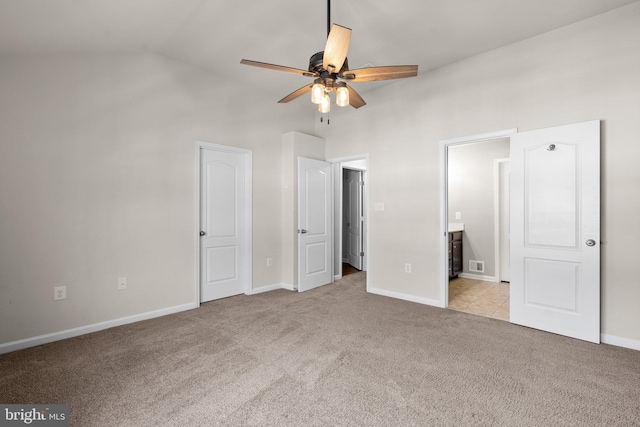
x,y
337,164
444,200
248,220
497,216
361,201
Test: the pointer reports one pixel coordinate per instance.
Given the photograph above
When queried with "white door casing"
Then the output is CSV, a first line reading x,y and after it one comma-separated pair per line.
x,y
315,233
355,217
503,241
555,230
225,222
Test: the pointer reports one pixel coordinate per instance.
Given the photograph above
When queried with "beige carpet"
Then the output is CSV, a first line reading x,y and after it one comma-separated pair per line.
x,y
328,357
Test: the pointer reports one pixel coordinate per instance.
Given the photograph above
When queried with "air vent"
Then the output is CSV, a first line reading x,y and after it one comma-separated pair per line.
x,y
476,266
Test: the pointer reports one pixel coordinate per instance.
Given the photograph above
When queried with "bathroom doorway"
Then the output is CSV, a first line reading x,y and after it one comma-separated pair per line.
x,y
477,224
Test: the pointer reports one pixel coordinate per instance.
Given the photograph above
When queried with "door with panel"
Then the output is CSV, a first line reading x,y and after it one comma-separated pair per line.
x,y
555,230
315,233
224,223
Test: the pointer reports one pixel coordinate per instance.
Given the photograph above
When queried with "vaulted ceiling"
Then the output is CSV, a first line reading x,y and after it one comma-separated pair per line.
x,y
216,34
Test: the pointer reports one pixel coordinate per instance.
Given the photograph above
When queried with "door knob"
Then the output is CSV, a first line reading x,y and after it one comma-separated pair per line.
x,y
591,242
302,231
202,233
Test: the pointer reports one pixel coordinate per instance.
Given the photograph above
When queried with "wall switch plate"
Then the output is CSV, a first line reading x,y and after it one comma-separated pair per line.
x,y
378,206
458,215
407,268
59,292
122,283
269,262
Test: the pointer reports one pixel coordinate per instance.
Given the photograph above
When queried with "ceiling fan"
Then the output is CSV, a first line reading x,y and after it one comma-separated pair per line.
x,y
330,71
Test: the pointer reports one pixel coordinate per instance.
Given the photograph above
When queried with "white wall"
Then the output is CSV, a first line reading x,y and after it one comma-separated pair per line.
x,y
590,70
97,181
471,192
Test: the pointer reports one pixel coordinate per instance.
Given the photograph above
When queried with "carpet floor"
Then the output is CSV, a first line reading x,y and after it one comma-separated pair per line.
x,y
332,356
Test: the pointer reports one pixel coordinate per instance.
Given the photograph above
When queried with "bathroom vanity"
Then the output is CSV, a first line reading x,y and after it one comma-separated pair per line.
x,y
455,249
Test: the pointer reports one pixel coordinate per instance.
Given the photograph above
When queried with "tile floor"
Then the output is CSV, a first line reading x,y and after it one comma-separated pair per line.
x,y
478,297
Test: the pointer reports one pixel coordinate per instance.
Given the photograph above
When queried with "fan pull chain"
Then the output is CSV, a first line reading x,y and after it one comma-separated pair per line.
x,y
328,119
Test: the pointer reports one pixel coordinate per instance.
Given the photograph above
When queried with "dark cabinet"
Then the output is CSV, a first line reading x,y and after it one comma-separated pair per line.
x,y
455,253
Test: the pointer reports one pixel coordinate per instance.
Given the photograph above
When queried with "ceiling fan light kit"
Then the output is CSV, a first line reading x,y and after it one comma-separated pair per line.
x,y
330,69
342,95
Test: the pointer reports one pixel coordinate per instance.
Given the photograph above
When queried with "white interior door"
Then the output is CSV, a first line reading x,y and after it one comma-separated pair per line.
x,y
314,224
555,230
224,224
354,217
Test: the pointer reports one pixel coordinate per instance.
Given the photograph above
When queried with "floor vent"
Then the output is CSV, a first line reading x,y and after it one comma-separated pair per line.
x,y
476,266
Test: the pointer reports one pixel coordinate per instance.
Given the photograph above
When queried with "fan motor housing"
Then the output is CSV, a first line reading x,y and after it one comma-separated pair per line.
x,y
316,65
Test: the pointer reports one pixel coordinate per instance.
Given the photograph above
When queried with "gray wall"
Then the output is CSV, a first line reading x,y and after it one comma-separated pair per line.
x,y
471,192
586,71
97,181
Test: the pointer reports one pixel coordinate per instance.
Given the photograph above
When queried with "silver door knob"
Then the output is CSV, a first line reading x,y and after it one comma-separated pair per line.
x,y
591,242
202,233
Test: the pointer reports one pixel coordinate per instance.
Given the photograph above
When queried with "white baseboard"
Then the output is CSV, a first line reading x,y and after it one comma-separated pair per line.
x,y
268,288
412,298
288,287
337,277
82,330
478,277
619,341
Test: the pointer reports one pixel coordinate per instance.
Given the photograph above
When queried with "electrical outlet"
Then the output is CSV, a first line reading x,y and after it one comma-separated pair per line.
x,y
269,262
59,292
378,206
407,268
122,283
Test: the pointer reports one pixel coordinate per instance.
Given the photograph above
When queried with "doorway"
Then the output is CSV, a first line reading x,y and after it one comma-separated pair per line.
x,y
352,220
470,224
554,227
474,197
351,215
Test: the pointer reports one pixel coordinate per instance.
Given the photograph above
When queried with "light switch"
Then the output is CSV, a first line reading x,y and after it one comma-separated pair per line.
x,y
458,215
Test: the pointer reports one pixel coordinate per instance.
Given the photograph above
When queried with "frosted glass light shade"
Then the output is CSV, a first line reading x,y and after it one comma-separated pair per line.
x,y
342,96
317,92
325,104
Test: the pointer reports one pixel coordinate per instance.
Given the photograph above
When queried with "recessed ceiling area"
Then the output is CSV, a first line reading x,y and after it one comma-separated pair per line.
x,y
216,35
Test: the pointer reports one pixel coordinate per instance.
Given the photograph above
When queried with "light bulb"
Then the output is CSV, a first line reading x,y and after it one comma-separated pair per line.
x,y
342,96
325,104
317,91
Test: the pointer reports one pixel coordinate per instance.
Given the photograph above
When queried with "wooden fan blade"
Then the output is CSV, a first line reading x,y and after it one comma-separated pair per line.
x,y
296,94
355,100
278,68
335,51
373,74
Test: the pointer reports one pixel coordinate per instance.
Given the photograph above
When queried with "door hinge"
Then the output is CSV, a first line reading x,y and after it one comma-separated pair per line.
x,y
361,253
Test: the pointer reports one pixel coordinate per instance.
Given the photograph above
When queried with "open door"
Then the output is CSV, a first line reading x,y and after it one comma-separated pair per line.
x,y
315,243
555,230
354,217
